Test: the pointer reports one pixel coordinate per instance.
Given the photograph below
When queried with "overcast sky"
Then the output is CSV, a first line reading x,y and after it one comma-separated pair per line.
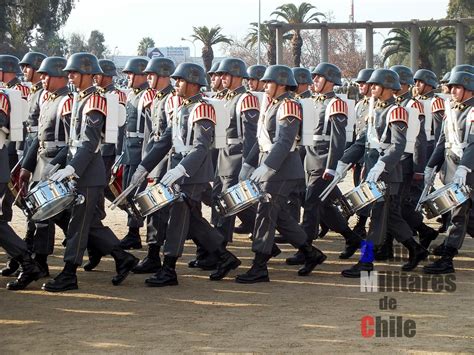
x,y
125,22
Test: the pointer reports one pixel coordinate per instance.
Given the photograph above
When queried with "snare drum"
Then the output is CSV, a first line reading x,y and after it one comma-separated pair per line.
x,y
445,199
154,198
238,197
361,196
49,198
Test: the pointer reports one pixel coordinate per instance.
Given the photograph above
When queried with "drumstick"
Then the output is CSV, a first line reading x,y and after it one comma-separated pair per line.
x,y
122,196
333,184
17,195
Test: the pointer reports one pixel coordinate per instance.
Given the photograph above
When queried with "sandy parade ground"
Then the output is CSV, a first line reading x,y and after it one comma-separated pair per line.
x,y
320,313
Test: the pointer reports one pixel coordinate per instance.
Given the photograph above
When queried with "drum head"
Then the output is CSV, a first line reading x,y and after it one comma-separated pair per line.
x,y
52,208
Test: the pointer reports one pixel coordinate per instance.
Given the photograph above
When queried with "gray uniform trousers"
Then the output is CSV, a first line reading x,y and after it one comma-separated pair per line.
x,y
9,240
185,219
85,227
128,170
273,214
410,194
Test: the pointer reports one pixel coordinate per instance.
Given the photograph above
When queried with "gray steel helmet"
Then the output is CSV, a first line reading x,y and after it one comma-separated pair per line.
x,y
426,76
83,63
191,73
364,75
281,75
463,67
108,67
234,67
160,66
445,78
302,75
214,67
387,78
53,66
329,71
33,59
135,66
9,64
404,73
462,78
256,71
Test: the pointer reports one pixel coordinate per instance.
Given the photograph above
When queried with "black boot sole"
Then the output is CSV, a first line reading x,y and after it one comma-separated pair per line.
x,y
243,281
421,257
438,272
231,267
306,272
168,283
118,279
68,288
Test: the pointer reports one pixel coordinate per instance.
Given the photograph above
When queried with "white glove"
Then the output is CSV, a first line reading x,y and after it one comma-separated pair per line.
x,y
341,169
63,173
139,175
46,171
19,153
174,174
246,171
460,175
375,172
427,174
260,173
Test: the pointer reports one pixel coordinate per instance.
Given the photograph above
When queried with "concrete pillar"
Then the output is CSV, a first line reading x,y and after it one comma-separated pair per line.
x,y
414,46
369,47
460,43
279,45
324,44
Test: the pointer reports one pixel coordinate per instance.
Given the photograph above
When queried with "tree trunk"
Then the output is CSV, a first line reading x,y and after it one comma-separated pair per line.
x,y
296,45
271,52
207,57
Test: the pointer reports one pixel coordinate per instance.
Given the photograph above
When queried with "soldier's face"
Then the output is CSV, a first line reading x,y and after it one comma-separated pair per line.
x,y
216,82
376,90
152,80
457,93
45,81
74,78
319,83
270,88
180,87
420,87
28,72
364,88
253,84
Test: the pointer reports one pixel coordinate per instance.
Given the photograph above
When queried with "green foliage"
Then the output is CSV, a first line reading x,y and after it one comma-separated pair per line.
x,y
209,37
145,43
96,44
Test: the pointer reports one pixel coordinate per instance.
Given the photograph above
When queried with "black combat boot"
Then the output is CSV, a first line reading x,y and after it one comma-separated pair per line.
x,y
30,272
446,221
124,263
385,251
66,280
152,262
227,263
132,240
11,267
243,229
275,250
359,228
365,263
42,260
297,259
416,254
313,257
257,273
426,235
166,276
352,243
443,265
94,259
323,230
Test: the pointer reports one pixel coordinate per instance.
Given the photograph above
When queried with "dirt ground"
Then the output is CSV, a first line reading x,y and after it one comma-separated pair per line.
x,y
320,313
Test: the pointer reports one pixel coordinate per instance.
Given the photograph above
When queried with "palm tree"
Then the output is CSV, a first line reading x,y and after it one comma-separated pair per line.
x,y
145,43
434,41
267,38
296,15
209,37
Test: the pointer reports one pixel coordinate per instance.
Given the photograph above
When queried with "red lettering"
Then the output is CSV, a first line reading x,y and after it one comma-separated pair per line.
x,y
366,327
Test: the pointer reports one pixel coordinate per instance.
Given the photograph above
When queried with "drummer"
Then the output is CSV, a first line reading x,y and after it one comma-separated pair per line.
x,y
15,247
54,122
275,165
454,154
190,138
385,138
82,160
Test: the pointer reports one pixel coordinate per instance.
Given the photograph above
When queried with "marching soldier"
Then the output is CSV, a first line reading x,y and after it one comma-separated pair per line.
x,y
158,73
138,109
15,247
274,164
83,160
110,151
189,137
216,82
255,74
321,161
362,113
53,129
241,136
385,139
454,153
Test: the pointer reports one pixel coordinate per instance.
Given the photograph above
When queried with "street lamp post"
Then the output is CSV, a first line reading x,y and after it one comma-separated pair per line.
x,y
192,42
